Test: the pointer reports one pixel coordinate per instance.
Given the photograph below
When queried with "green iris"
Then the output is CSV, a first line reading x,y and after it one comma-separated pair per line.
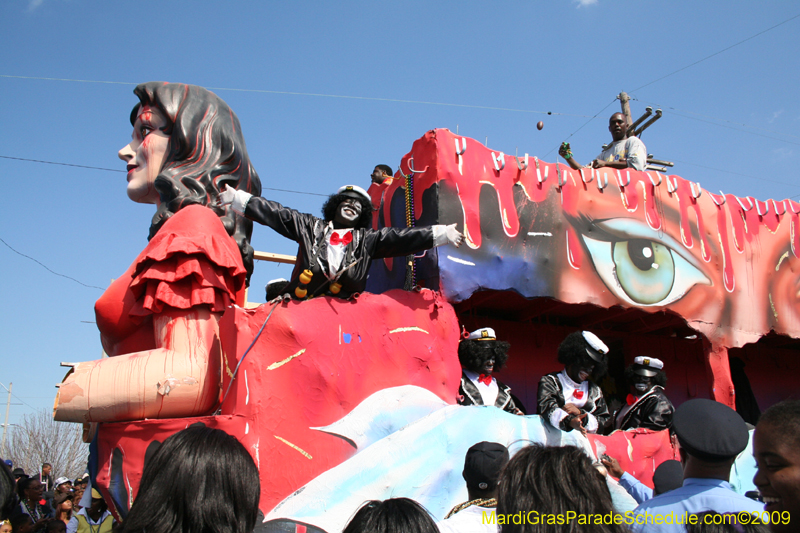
x,y
645,269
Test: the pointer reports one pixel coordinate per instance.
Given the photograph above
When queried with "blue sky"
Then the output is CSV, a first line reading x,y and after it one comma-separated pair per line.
x,y
730,122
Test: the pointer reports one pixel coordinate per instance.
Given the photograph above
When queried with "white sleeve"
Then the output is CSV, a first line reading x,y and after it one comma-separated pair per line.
x,y
72,525
439,235
591,423
557,416
240,201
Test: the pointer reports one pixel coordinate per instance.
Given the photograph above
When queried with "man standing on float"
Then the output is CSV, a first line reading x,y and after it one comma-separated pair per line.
x,y
335,253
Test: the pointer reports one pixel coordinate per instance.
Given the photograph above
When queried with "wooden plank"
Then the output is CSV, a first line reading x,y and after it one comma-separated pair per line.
x,y
275,258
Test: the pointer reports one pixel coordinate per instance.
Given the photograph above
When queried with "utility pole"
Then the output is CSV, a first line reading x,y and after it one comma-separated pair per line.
x,y
5,426
626,107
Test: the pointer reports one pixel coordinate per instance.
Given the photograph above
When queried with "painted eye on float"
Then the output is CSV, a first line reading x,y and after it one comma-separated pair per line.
x,y
638,265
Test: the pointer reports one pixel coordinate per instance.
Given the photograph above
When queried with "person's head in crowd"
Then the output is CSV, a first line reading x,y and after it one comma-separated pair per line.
x,y
668,476
553,480
380,174
710,435
30,490
21,523
8,496
276,287
19,473
644,374
349,207
200,480
56,526
5,526
713,522
46,469
98,507
396,515
482,353
63,502
79,489
776,447
63,484
482,466
583,355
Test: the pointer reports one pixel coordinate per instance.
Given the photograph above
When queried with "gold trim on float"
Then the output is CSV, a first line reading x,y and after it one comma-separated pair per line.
x,y
279,364
286,442
412,328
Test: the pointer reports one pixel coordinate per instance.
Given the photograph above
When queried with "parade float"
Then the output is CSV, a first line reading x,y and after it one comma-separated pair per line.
x,y
345,400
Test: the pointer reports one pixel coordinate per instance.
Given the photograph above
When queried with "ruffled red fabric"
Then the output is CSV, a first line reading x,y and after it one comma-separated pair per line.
x,y
191,261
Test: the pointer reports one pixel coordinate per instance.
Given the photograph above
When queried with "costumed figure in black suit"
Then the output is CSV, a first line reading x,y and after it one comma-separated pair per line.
x,y
335,253
567,399
481,354
647,406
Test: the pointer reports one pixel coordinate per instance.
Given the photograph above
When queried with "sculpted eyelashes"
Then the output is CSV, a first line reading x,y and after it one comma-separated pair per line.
x,y
639,265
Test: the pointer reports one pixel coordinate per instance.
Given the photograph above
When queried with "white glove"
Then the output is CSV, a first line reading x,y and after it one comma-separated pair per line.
x,y
447,234
235,198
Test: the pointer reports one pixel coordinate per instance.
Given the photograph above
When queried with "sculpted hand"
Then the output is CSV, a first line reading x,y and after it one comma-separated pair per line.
x,y
571,409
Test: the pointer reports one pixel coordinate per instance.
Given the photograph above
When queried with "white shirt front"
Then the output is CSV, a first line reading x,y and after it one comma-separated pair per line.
x,y
576,394
488,392
336,253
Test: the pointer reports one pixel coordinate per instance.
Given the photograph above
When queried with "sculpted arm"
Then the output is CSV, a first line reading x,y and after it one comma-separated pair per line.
x,y
179,378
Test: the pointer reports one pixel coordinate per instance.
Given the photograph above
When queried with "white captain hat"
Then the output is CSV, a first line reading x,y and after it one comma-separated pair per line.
x,y
354,191
647,366
482,334
595,347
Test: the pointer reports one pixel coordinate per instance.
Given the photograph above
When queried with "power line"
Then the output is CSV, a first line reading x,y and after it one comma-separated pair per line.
x,y
717,53
584,124
117,170
323,95
679,111
737,173
62,164
49,269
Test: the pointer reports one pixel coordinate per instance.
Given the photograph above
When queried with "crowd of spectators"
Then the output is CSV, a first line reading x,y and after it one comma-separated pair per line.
x,y
39,503
203,480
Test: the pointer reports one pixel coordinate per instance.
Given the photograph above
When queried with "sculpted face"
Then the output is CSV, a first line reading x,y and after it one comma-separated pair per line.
x,y
348,212
778,476
145,155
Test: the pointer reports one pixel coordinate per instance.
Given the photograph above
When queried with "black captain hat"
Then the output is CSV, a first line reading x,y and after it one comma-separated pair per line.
x,y
710,430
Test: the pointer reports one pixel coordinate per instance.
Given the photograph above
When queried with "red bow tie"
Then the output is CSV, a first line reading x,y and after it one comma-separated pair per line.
x,y
631,399
485,379
336,239
578,394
